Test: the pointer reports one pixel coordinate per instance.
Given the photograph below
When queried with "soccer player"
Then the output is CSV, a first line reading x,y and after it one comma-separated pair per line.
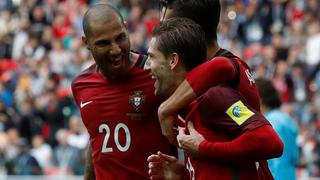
x,y
220,115
116,100
286,128
222,67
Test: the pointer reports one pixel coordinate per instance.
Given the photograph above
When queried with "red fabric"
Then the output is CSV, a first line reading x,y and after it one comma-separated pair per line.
x,y
150,26
220,70
261,143
242,149
123,130
210,73
234,153
213,105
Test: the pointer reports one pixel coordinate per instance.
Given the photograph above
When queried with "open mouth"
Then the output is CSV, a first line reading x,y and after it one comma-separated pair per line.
x,y
116,62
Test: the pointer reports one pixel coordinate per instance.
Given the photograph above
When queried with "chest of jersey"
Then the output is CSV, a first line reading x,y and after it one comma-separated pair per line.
x,y
121,119
129,102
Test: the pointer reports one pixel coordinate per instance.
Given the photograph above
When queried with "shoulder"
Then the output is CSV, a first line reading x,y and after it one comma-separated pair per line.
x,y
219,98
83,74
138,59
222,94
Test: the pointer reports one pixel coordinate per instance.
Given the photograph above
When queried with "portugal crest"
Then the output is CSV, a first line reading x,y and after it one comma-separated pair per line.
x,y
136,100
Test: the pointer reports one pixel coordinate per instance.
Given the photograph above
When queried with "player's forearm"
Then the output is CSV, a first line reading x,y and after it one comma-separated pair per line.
x,y
89,172
211,73
258,144
214,72
178,100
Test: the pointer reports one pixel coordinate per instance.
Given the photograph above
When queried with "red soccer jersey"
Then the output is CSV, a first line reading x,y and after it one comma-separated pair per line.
x,y
121,119
221,115
225,68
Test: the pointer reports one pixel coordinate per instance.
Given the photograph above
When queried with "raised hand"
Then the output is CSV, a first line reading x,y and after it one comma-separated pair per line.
x,y
164,167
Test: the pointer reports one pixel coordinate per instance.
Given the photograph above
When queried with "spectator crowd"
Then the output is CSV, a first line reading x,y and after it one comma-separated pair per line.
x,y
41,51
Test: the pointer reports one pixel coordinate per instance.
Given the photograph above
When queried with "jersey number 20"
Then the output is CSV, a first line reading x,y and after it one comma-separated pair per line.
x,y
105,127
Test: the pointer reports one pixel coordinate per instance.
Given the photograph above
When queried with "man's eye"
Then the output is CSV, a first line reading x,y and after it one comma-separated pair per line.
x,y
121,37
102,43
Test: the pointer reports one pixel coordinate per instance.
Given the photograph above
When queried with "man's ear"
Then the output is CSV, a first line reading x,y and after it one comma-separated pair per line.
x,y
85,41
174,60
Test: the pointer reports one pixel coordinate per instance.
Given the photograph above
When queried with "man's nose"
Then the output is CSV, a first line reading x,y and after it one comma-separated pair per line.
x,y
147,65
115,49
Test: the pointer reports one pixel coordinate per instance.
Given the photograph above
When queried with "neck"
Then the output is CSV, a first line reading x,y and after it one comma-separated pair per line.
x,y
122,74
212,49
264,109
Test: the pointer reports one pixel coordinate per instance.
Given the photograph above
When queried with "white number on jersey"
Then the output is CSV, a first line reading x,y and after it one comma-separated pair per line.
x,y
105,127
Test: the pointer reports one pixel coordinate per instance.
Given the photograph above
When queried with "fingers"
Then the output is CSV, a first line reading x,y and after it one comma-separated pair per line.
x,y
181,131
180,121
168,158
180,135
155,169
156,177
153,158
156,164
190,126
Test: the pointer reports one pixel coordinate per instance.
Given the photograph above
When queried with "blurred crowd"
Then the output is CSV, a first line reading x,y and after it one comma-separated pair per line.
x,y
41,51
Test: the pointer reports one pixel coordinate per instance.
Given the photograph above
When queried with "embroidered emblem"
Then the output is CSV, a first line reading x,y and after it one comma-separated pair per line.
x,y
136,100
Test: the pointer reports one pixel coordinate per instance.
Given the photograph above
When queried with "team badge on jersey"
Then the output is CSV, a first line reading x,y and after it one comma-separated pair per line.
x,y
239,112
136,100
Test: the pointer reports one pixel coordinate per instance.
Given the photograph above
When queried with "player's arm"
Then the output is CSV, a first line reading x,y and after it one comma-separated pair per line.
x,y
200,79
89,172
254,145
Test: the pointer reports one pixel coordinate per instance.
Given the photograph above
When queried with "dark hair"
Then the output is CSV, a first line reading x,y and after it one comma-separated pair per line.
x,y
204,12
183,36
99,13
268,94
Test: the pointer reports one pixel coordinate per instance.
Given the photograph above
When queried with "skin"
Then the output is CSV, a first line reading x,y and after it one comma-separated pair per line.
x,y
168,73
169,166
108,41
168,112
89,172
183,94
163,70
110,47
190,142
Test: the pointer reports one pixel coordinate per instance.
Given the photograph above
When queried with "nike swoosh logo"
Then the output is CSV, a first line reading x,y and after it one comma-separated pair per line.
x,y
84,104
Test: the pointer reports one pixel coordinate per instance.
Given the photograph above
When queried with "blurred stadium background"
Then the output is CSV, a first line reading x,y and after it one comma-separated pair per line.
x,y
41,132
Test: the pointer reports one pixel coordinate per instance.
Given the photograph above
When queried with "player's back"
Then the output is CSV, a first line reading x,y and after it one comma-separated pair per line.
x,y
121,119
225,68
243,81
221,115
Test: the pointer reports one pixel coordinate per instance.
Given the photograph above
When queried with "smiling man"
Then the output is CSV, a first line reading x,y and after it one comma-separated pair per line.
x,y
222,120
116,101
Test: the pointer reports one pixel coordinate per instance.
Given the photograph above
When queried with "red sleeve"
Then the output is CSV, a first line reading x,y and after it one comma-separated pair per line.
x,y
258,144
210,73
